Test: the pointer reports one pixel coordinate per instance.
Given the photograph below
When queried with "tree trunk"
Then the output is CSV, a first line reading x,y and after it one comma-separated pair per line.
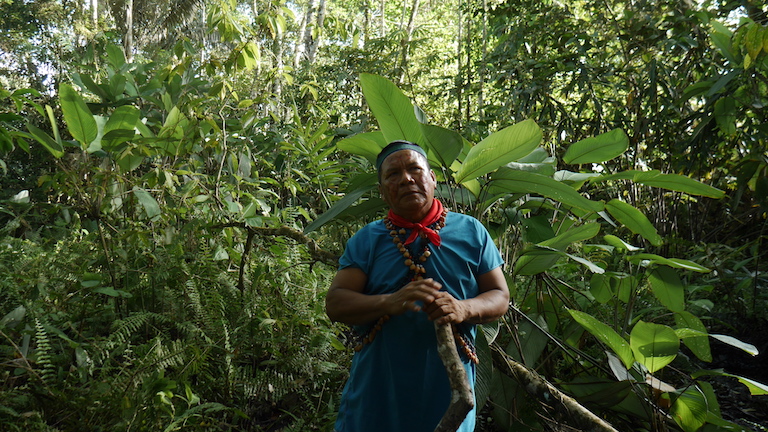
x,y
319,31
305,33
382,23
405,43
128,39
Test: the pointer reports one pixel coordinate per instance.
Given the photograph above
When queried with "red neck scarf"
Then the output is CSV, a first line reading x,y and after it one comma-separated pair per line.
x,y
422,226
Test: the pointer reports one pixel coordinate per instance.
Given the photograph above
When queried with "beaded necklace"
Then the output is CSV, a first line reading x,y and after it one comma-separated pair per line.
x,y
416,271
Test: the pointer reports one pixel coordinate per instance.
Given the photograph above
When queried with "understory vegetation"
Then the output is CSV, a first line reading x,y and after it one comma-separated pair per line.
x,y
177,187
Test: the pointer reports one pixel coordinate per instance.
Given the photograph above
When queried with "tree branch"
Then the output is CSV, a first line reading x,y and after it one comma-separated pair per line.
x,y
462,400
538,387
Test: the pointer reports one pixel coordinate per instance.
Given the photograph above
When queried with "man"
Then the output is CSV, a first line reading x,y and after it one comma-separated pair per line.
x,y
398,275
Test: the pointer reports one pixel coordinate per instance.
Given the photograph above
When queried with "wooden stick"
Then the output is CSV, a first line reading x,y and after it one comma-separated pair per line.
x,y
462,400
538,387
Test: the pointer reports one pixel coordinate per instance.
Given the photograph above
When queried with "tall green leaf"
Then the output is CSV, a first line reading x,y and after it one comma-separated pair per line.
x,y
690,409
444,145
633,219
697,343
597,149
654,345
151,206
513,181
500,148
677,182
668,288
79,119
367,144
606,335
393,110
671,262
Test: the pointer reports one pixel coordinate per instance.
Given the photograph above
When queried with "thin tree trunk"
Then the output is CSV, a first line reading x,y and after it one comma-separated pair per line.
x,y
319,31
305,33
405,43
128,39
383,23
482,69
458,79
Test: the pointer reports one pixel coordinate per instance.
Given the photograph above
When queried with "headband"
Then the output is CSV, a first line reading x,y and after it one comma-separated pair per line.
x,y
396,146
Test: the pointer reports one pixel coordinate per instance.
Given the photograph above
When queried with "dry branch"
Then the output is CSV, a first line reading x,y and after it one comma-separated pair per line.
x,y
538,387
462,400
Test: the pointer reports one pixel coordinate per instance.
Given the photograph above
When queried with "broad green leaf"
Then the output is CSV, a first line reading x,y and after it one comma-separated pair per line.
x,y
600,287
13,317
753,40
79,119
43,138
594,268
721,37
697,343
540,257
690,409
393,110
755,388
115,55
109,291
668,288
601,148
633,219
367,144
500,148
339,206
732,341
676,182
725,115
654,345
619,243
531,183
672,262
444,145
606,335
151,207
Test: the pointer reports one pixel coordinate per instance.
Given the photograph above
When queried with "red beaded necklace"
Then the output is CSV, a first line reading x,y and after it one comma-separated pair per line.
x,y
416,272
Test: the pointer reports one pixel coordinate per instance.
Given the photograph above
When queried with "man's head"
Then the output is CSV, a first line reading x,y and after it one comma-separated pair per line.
x,y
406,182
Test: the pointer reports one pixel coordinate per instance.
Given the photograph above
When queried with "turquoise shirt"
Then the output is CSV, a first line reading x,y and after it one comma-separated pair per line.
x,y
398,383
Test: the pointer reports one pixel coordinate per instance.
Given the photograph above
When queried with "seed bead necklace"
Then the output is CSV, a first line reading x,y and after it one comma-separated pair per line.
x,y
416,272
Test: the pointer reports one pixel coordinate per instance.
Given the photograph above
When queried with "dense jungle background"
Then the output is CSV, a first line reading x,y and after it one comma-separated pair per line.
x,y
178,178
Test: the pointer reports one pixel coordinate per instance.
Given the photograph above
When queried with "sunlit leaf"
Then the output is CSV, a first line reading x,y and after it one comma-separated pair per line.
x,y
633,219
512,181
676,182
654,345
500,148
79,119
606,335
367,144
393,110
690,409
697,343
668,288
597,149
671,262
755,388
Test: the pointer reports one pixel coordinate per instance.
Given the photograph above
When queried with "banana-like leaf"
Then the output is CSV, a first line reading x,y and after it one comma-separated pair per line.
x,y
393,110
151,206
690,409
540,257
444,145
527,182
500,148
633,219
597,149
654,345
697,343
755,388
340,205
672,262
43,138
606,335
78,117
677,182
668,288
367,144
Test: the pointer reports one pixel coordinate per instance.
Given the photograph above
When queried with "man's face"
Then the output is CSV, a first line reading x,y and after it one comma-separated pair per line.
x,y
407,184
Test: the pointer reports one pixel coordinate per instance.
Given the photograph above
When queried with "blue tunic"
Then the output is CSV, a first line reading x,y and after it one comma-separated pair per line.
x,y
398,383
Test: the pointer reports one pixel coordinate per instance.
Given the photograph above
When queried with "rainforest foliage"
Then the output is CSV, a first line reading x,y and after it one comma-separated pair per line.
x,y
178,179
